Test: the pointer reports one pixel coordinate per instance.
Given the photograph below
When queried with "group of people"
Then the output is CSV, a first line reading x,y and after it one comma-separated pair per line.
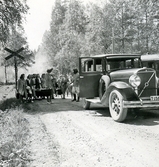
x,y
28,88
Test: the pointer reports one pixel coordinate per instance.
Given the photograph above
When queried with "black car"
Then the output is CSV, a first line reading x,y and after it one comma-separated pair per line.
x,y
117,81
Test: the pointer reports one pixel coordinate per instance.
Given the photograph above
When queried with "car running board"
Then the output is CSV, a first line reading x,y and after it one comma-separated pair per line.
x,y
96,101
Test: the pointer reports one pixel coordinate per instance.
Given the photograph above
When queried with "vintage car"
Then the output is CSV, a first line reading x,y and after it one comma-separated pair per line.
x,y
117,81
151,61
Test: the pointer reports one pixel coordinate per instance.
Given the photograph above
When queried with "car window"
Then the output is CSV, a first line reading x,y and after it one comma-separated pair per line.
x,y
119,64
91,65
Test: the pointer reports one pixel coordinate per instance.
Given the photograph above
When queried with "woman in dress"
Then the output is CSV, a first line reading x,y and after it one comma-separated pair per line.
x,y
75,87
21,87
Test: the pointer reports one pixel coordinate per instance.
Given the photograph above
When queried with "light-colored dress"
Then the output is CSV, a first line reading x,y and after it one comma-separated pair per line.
x,y
21,87
75,79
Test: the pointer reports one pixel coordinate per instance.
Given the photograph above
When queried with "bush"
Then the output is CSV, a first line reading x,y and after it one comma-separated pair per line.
x,y
11,103
14,103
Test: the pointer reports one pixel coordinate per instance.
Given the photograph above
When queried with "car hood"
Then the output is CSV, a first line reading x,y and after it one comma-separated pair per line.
x,y
126,73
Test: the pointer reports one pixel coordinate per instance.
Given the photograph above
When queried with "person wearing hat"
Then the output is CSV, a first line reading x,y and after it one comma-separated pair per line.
x,y
48,82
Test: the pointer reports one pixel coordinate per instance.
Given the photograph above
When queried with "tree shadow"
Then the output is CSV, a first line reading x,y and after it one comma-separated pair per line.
x,y
57,105
146,117
135,117
101,111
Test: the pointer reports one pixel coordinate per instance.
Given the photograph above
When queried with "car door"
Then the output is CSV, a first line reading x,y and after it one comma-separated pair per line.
x,y
90,70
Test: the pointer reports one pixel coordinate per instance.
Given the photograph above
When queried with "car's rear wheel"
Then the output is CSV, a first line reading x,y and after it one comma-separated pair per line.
x,y
118,113
86,104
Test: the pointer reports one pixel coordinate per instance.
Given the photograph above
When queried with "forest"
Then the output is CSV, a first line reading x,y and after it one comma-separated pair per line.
x,y
12,33
114,26
12,36
80,28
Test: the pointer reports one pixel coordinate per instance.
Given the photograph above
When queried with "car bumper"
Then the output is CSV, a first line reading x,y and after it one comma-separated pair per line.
x,y
140,104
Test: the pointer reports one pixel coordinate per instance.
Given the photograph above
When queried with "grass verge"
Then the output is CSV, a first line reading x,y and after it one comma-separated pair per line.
x,y
14,134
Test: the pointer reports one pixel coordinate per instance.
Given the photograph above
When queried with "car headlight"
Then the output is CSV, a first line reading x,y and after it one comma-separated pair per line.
x,y
135,80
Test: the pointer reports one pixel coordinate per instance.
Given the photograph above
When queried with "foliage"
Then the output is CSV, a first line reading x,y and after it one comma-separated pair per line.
x,y
13,139
118,26
11,15
66,36
17,41
11,103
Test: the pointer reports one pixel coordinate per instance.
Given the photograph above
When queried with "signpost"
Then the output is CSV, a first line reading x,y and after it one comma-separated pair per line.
x,y
15,54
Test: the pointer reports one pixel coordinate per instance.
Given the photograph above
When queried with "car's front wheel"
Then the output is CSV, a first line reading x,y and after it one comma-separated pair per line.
x,y
86,104
118,113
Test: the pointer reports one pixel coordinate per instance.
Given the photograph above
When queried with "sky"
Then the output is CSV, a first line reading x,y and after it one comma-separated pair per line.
x,y
37,21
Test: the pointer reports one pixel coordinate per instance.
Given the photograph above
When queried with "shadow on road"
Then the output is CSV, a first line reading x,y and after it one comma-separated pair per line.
x,y
138,117
142,117
57,105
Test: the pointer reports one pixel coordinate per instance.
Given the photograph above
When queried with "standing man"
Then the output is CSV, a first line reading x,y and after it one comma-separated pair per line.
x,y
48,82
75,88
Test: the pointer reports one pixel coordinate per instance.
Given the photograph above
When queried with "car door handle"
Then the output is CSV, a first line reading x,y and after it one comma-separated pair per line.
x,y
81,76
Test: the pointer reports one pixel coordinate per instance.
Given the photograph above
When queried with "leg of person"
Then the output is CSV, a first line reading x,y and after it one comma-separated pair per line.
x,y
21,98
53,92
67,92
27,91
25,96
63,95
73,94
34,94
70,90
47,98
77,94
63,92
77,97
74,97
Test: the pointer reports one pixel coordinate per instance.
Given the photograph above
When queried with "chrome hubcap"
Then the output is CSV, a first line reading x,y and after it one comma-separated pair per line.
x,y
116,103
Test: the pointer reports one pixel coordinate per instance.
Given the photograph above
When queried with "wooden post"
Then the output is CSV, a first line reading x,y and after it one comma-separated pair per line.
x,y
5,71
16,71
15,55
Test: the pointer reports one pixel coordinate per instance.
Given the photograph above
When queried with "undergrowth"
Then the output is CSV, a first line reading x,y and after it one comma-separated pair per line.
x,y
14,134
14,103
11,103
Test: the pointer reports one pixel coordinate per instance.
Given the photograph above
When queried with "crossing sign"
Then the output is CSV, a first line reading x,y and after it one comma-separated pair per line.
x,y
15,54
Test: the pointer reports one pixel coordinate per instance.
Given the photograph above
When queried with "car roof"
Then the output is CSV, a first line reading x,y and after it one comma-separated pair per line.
x,y
112,56
150,57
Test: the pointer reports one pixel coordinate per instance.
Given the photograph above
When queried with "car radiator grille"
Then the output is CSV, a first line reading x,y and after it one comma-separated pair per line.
x,y
148,86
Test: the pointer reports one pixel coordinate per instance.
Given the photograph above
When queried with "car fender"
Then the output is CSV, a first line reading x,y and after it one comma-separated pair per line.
x,y
104,79
123,88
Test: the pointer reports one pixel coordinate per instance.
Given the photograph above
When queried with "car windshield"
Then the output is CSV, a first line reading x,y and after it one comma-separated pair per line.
x,y
125,63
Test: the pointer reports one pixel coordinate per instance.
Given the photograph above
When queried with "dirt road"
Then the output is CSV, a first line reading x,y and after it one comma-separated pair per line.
x,y
65,135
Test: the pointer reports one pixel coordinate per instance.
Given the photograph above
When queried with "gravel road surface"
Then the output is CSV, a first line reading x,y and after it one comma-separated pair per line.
x,y
65,135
